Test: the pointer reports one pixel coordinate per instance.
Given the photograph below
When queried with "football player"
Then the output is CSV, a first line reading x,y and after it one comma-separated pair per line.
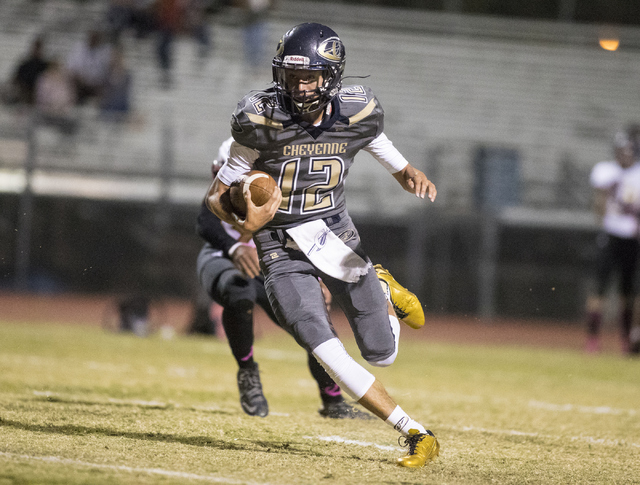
x,y
617,201
305,132
228,270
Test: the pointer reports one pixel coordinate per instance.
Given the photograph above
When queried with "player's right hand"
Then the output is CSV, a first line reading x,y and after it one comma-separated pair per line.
x,y
245,258
258,216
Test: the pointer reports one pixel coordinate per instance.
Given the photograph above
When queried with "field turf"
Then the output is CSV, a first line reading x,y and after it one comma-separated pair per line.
x,y
80,405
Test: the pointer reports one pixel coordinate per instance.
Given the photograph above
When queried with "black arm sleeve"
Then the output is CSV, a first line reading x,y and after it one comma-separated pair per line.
x,y
209,228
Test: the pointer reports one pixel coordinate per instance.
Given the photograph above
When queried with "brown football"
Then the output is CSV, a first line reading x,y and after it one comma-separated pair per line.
x,y
259,184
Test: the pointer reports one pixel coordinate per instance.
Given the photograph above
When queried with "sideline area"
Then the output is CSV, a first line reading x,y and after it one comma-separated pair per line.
x,y
177,314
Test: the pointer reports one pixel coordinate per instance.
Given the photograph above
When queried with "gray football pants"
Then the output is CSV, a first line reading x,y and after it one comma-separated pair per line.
x,y
296,297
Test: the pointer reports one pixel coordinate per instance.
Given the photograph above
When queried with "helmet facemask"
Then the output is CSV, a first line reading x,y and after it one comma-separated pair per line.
x,y
295,100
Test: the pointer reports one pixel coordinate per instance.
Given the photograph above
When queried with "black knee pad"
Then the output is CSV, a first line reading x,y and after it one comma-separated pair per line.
x,y
236,291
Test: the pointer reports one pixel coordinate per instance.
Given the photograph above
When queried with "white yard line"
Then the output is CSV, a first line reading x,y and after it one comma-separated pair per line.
x,y
124,468
581,409
513,432
339,439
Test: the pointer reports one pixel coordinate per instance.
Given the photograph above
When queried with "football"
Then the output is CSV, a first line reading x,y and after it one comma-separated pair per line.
x,y
259,184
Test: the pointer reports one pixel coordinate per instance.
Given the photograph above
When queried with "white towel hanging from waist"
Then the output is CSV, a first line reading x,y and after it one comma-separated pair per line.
x,y
327,252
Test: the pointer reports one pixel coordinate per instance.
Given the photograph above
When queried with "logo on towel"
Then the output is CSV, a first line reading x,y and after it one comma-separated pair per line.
x,y
320,239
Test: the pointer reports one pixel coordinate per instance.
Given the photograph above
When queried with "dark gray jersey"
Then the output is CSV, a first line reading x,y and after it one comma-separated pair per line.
x,y
310,163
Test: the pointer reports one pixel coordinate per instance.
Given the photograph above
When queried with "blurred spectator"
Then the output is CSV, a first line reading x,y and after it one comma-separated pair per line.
x,y
115,101
176,17
197,25
255,13
88,63
55,99
129,14
22,85
118,18
169,21
617,202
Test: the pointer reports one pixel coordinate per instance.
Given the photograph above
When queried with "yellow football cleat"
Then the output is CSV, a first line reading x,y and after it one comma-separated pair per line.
x,y
406,305
423,448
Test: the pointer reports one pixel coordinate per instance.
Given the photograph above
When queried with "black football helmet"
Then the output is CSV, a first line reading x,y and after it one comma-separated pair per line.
x,y
312,47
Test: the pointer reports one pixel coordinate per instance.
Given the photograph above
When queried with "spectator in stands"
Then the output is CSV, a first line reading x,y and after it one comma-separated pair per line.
x,y
617,201
115,100
55,99
175,17
122,15
255,29
197,26
88,63
169,16
22,85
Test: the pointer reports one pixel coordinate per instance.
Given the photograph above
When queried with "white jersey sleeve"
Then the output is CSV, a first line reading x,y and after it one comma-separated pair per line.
x,y
224,150
240,162
605,174
387,155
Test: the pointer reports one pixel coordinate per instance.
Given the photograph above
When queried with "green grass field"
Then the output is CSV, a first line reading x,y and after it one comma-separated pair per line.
x,y
81,405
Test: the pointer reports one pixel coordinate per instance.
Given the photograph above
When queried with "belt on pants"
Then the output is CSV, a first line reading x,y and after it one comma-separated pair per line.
x,y
282,236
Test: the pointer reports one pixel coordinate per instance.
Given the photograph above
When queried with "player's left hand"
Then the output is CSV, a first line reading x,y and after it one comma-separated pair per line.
x,y
416,182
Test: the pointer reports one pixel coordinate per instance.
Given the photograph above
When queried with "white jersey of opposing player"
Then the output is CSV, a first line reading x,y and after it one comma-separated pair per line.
x,y
623,199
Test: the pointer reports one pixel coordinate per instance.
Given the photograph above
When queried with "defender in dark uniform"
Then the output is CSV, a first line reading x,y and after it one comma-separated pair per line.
x,y
305,132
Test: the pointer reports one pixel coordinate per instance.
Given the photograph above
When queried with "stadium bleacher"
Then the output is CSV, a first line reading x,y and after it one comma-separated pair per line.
x,y
448,84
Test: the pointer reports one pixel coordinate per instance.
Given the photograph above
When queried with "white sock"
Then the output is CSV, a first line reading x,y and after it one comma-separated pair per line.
x,y
400,421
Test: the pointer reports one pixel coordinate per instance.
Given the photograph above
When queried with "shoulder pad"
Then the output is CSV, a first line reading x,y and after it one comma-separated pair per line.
x,y
360,105
254,114
358,102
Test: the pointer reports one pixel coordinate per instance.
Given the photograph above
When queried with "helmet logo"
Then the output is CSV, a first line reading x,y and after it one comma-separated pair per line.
x,y
280,48
331,49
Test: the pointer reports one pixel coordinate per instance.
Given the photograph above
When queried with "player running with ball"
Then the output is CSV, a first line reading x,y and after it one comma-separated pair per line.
x,y
305,132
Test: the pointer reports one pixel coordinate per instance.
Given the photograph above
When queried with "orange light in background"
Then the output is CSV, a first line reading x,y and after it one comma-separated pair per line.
x,y
609,44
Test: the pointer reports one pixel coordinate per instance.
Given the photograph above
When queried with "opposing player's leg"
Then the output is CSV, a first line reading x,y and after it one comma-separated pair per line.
x,y
627,264
237,295
595,302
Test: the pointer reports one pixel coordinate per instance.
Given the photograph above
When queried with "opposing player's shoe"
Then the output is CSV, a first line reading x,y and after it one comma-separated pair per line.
x,y
406,305
343,410
252,399
423,448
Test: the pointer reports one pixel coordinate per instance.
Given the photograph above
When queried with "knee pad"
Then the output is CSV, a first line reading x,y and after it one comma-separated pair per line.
x,y
350,376
395,329
236,291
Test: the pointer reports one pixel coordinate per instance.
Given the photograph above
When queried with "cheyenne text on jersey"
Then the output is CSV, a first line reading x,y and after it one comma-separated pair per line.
x,y
306,149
